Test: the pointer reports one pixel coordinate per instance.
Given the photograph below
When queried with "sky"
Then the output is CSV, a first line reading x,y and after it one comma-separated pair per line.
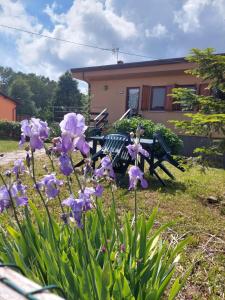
x,y
152,28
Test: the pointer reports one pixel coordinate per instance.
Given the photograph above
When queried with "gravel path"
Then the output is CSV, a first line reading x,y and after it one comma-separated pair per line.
x,y
8,157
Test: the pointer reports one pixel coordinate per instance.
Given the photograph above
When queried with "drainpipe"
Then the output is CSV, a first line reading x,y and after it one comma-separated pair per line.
x,y
14,114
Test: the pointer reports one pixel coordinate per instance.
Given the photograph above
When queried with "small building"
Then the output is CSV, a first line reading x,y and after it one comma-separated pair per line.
x,y
7,108
142,86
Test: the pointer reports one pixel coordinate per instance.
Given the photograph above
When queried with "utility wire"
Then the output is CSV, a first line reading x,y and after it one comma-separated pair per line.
x,y
75,43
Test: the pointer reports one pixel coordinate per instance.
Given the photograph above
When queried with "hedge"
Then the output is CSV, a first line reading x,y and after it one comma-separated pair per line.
x,y
129,125
10,130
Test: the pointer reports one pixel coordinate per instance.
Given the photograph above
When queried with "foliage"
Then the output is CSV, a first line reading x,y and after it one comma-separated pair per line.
x,y
7,75
21,91
89,251
64,261
67,93
37,94
130,125
210,117
10,130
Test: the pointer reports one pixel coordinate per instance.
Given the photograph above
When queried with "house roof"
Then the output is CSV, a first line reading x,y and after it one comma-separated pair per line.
x,y
10,98
157,62
131,65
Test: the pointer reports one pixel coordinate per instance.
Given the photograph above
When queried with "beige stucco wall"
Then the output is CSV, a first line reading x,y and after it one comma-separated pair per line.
x,y
114,97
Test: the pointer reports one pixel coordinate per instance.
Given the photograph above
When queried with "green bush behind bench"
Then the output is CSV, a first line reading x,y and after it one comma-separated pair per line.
x,y
129,125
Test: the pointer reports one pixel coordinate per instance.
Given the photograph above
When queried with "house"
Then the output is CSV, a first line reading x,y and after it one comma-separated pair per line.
x,y
7,108
142,86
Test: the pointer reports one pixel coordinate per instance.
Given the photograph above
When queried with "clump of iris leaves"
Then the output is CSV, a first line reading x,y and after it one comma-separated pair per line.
x,y
90,252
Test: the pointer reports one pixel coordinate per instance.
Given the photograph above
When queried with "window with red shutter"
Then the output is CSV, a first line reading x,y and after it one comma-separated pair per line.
x,y
158,98
146,96
169,98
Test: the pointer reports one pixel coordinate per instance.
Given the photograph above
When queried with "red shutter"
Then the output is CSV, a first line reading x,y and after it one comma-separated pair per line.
x,y
203,90
169,99
146,95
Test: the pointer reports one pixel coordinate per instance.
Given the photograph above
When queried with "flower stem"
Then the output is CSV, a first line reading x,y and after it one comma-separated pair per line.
x,y
60,203
105,237
40,194
13,206
115,213
135,221
75,173
48,213
69,184
50,158
89,258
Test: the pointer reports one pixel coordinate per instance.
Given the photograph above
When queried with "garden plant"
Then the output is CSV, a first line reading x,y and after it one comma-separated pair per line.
x,y
206,112
130,125
67,235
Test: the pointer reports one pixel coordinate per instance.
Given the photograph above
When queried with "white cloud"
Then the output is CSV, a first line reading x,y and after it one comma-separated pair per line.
x,y
188,18
155,28
13,13
86,22
157,31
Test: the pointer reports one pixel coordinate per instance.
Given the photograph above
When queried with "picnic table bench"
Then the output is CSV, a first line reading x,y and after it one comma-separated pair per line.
x,y
115,144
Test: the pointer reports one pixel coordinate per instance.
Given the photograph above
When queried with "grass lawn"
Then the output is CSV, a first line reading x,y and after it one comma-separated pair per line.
x,y
8,145
185,201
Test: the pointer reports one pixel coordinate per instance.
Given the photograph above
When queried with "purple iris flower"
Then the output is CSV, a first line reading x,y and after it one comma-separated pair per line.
x,y
134,149
76,206
74,124
19,167
4,198
81,204
105,169
36,130
67,142
135,174
21,198
51,185
99,190
65,165
18,194
81,144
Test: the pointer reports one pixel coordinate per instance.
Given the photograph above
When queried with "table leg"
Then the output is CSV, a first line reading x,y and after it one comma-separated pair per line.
x,y
142,163
152,154
94,150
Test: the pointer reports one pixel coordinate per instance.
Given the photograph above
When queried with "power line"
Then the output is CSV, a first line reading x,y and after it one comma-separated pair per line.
x,y
77,44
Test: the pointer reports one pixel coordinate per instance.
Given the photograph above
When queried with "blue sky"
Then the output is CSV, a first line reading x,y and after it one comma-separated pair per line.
x,y
36,8
154,28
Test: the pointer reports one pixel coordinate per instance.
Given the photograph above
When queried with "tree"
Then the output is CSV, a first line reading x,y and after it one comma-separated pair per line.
x,y
43,92
67,93
7,75
20,91
208,116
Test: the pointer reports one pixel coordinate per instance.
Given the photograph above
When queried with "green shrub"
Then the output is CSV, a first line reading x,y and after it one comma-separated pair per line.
x,y
10,130
54,130
129,125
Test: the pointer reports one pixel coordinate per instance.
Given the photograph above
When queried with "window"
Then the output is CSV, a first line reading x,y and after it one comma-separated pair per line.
x,y
180,107
133,99
158,98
